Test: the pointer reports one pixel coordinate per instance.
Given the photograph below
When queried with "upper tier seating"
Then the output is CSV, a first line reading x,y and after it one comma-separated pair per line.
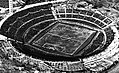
x,y
84,14
99,16
22,13
107,21
69,10
81,17
90,13
15,26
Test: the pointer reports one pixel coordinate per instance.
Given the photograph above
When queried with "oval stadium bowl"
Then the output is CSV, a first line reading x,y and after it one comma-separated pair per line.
x,y
50,32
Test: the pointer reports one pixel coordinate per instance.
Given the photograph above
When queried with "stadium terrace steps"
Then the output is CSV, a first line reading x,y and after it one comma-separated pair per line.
x,y
20,21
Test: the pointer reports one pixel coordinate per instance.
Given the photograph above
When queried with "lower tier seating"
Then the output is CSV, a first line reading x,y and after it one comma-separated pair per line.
x,y
39,54
37,28
110,37
86,43
21,30
95,44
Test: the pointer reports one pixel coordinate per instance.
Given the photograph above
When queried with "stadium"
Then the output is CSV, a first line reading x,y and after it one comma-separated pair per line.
x,y
56,32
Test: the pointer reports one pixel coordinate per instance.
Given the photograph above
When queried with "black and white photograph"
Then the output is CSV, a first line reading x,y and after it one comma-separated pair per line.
x,y
59,36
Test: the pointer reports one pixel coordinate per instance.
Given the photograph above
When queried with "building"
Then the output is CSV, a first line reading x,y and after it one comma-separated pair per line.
x,y
4,3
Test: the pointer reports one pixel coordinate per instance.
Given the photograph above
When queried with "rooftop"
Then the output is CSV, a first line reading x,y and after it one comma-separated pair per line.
x,y
4,3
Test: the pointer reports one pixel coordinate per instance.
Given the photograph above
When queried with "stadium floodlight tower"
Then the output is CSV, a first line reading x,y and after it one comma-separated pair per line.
x,y
10,6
